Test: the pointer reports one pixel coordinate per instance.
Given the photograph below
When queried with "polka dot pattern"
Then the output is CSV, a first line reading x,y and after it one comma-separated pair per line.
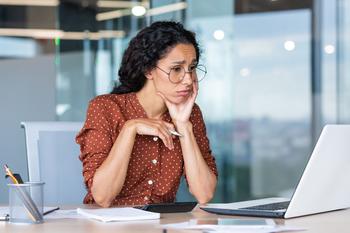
x,y
154,171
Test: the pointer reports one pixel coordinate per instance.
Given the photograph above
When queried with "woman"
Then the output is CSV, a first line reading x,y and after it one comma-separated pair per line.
x,y
124,163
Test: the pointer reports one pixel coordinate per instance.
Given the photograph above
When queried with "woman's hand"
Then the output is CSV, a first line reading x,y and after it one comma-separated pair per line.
x,y
180,113
153,127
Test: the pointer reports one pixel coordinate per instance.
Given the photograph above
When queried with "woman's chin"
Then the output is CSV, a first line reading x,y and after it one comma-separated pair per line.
x,y
179,99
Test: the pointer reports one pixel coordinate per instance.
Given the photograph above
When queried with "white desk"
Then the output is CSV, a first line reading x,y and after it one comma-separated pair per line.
x,y
337,221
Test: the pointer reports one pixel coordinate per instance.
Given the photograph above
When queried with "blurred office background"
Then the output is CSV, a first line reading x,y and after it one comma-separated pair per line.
x,y
278,70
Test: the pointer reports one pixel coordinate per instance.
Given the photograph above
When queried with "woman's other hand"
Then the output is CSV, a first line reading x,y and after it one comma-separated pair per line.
x,y
153,127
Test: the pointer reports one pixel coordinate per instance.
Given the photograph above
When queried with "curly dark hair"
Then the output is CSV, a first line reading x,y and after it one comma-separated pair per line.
x,y
144,51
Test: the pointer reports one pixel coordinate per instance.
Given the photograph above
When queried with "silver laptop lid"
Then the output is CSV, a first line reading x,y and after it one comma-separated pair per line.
x,y
325,183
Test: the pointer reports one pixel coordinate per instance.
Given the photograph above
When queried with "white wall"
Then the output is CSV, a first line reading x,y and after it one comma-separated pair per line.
x,y
27,93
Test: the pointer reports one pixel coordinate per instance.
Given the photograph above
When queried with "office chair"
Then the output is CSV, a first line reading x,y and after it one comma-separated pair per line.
x,y
52,157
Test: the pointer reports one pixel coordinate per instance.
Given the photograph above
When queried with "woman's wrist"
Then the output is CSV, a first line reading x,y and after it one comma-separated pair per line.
x,y
183,127
130,127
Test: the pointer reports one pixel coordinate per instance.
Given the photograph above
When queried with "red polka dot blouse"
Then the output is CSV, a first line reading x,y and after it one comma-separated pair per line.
x,y
154,171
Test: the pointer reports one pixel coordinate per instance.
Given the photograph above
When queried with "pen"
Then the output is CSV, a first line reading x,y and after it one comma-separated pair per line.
x,y
5,218
50,211
173,132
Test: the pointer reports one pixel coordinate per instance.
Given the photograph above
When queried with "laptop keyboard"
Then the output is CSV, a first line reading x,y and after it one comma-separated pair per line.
x,y
272,206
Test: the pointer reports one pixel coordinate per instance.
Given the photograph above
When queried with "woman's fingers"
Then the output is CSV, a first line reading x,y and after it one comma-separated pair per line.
x,y
195,87
161,129
157,128
162,96
166,138
169,125
165,135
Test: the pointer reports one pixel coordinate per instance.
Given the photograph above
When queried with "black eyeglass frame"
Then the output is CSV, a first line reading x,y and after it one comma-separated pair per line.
x,y
200,67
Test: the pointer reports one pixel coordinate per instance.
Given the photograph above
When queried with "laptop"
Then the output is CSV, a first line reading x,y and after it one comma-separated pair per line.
x,y
324,185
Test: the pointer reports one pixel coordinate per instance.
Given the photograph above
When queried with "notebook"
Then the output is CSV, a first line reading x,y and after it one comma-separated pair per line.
x,y
117,214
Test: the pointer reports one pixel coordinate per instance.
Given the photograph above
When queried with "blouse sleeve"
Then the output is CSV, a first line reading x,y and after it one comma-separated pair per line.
x,y
200,134
95,140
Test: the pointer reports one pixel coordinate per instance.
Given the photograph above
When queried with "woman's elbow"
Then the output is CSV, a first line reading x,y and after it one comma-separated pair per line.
x,y
204,195
100,198
103,202
204,198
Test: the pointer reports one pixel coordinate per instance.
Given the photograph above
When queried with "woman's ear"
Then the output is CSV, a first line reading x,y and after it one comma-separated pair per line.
x,y
149,75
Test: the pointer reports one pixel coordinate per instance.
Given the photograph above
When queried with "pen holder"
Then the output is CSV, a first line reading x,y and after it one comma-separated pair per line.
x,y
26,202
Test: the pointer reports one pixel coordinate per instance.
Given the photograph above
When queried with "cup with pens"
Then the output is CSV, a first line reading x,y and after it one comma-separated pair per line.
x,y
25,199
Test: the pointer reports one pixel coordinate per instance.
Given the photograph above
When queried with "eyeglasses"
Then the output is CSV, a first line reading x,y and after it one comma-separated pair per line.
x,y
177,74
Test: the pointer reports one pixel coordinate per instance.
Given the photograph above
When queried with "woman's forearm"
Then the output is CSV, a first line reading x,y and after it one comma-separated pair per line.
x,y
200,178
110,176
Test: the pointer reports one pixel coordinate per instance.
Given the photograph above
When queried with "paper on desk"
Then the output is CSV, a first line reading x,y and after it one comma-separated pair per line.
x,y
118,214
73,214
61,214
57,214
229,228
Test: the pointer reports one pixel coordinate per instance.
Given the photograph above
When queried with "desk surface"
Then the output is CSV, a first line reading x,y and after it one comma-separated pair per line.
x,y
336,221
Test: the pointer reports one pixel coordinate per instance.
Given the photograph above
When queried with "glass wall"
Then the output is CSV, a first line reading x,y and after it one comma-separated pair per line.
x,y
343,60
258,98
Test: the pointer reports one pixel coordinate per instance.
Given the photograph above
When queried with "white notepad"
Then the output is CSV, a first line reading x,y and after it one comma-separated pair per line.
x,y
118,214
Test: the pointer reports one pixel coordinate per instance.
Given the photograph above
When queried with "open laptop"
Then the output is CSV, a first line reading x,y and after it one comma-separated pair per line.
x,y
324,185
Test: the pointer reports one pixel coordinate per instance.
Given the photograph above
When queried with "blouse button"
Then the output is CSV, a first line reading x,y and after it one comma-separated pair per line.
x,y
155,139
154,161
150,182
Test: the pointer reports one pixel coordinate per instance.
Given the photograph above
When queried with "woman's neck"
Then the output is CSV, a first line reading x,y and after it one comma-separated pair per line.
x,y
153,104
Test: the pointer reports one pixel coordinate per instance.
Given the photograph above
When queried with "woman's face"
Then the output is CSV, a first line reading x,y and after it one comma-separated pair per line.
x,y
181,57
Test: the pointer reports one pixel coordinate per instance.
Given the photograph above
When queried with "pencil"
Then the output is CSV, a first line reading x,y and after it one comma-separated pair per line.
x,y
24,196
173,132
9,173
